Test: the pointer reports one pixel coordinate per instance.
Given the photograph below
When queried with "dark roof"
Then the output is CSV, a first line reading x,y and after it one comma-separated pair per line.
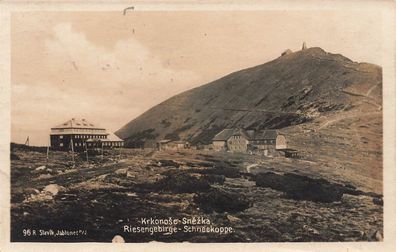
x,y
225,134
266,135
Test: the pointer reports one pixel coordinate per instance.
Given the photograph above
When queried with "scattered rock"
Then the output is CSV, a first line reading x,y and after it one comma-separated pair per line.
x,y
118,239
227,171
40,168
378,201
311,230
168,163
122,171
44,176
363,236
233,218
102,177
53,189
31,191
132,174
131,194
377,235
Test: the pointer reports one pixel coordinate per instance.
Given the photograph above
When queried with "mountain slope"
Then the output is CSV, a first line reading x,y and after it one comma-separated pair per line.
x,y
295,88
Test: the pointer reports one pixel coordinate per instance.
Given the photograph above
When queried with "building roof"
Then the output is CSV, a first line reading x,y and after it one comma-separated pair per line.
x,y
110,138
165,141
180,142
225,134
77,123
266,135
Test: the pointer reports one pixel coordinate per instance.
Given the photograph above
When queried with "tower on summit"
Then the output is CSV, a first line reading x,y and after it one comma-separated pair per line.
x,y
304,46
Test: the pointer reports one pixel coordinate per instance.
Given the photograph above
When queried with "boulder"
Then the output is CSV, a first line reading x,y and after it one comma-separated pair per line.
x,y
53,189
40,168
118,239
378,201
122,171
377,236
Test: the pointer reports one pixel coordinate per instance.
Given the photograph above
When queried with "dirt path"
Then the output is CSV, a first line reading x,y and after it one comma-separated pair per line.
x,y
371,89
369,99
346,116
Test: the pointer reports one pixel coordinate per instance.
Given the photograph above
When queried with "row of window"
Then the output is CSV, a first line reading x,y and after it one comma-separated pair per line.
x,y
107,144
90,144
265,141
87,136
90,136
92,131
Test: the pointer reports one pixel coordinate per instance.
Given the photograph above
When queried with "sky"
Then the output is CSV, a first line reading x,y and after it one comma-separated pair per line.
x,y
109,68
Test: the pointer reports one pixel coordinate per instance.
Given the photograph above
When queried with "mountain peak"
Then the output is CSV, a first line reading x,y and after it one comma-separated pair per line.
x,y
292,89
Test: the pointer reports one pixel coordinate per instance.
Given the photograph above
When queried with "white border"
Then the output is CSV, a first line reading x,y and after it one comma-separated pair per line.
x,y
389,91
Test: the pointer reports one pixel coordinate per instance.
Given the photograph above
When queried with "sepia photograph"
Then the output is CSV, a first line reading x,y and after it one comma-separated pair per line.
x,y
199,126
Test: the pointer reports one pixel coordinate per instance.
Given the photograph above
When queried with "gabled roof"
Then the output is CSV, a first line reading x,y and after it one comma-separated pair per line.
x,y
180,142
266,135
112,138
165,141
77,123
225,134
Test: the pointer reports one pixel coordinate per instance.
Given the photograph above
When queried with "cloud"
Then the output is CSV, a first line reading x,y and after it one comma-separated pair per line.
x,y
77,78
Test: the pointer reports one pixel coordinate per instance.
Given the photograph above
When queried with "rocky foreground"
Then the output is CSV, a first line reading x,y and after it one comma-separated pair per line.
x,y
261,199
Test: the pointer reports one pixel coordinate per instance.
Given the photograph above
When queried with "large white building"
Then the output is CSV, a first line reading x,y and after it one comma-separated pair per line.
x,y
78,134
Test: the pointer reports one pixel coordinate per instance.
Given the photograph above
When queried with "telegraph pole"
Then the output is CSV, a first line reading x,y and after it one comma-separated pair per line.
x,y
72,148
86,150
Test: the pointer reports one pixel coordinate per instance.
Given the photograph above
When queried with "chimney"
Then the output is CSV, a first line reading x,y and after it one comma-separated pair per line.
x,y
304,46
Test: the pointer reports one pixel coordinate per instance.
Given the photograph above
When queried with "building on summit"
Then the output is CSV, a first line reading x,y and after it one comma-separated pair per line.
x,y
77,135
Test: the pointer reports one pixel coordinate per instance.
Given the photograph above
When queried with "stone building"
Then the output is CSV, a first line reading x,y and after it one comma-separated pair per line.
x,y
267,142
167,144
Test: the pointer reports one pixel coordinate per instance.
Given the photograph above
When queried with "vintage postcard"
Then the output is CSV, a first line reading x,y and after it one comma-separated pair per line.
x,y
260,124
